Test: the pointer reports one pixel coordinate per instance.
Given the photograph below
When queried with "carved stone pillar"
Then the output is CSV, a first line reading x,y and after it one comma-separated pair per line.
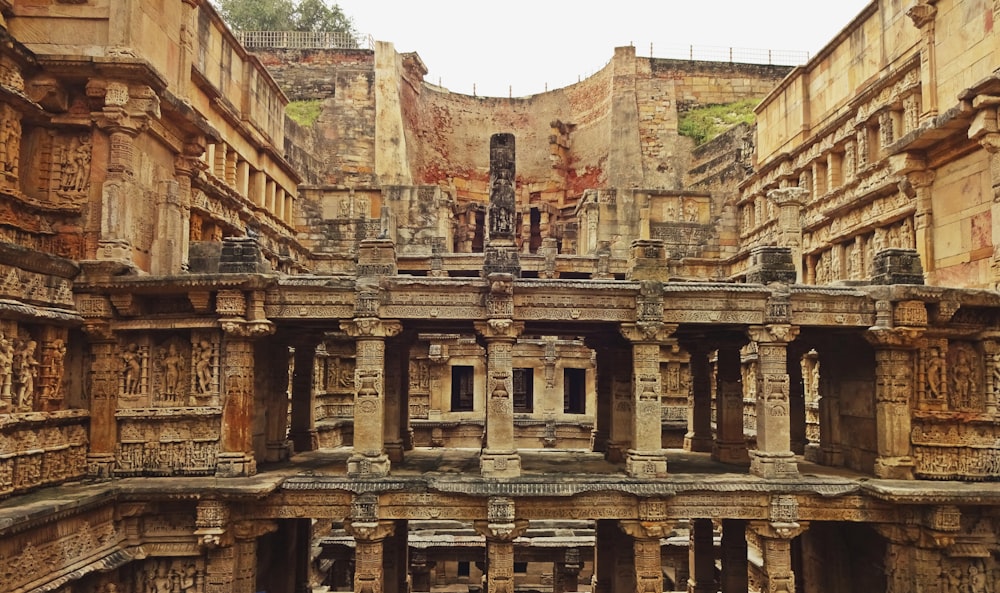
x,y
236,456
369,536
605,554
921,181
923,15
397,384
734,578
894,384
646,553
499,457
273,357
500,254
646,458
730,444
776,548
104,388
613,433
566,574
174,213
122,118
234,568
303,430
420,571
699,434
773,457
990,140
394,562
701,558
500,528
369,457
789,201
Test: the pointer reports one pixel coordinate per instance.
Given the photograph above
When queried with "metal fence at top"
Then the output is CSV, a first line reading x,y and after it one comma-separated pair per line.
x,y
740,55
304,40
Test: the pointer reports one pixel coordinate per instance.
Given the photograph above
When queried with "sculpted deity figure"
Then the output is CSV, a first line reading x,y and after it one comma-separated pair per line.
x,y
27,371
6,367
171,371
132,370
203,366
935,374
58,366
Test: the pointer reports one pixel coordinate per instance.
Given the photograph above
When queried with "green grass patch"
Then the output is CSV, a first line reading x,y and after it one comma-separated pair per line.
x,y
304,113
704,123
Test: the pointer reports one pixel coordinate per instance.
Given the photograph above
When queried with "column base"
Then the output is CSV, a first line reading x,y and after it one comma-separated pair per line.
x,y
395,451
894,468
100,466
698,443
305,440
646,465
500,464
773,465
614,452
278,451
235,465
813,453
365,466
731,453
832,456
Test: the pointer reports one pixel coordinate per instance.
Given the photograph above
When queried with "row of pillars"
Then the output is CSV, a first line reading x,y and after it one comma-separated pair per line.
x,y
627,557
629,387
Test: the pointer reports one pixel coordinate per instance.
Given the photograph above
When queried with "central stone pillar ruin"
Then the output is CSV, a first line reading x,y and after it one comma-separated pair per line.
x,y
500,254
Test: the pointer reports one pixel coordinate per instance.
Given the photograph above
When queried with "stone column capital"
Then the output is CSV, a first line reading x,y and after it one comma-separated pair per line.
x,y
254,529
369,531
239,328
775,333
646,529
499,329
922,14
501,532
788,196
778,530
651,332
898,338
371,327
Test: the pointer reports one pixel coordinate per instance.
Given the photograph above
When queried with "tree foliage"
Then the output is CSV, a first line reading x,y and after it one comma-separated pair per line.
x,y
285,15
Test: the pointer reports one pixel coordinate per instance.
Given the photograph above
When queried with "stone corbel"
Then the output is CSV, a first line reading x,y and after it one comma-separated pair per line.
x,y
923,13
647,529
502,532
648,331
984,122
247,329
499,329
369,531
254,529
894,337
371,327
778,530
775,333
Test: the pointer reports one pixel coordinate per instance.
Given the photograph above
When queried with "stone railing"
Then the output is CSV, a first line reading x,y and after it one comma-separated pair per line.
x,y
304,40
742,55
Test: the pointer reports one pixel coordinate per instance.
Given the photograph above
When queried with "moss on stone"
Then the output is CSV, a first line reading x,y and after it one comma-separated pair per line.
x,y
304,113
704,123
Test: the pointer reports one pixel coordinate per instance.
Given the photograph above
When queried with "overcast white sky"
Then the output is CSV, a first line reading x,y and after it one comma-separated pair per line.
x,y
526,44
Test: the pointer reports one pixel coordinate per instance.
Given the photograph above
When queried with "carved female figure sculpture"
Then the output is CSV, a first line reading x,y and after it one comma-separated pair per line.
x,y
203,366
132,369
27,370
6,367
171,371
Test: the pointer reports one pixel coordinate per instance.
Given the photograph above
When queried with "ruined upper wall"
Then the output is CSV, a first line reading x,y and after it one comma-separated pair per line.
x,y
881,38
